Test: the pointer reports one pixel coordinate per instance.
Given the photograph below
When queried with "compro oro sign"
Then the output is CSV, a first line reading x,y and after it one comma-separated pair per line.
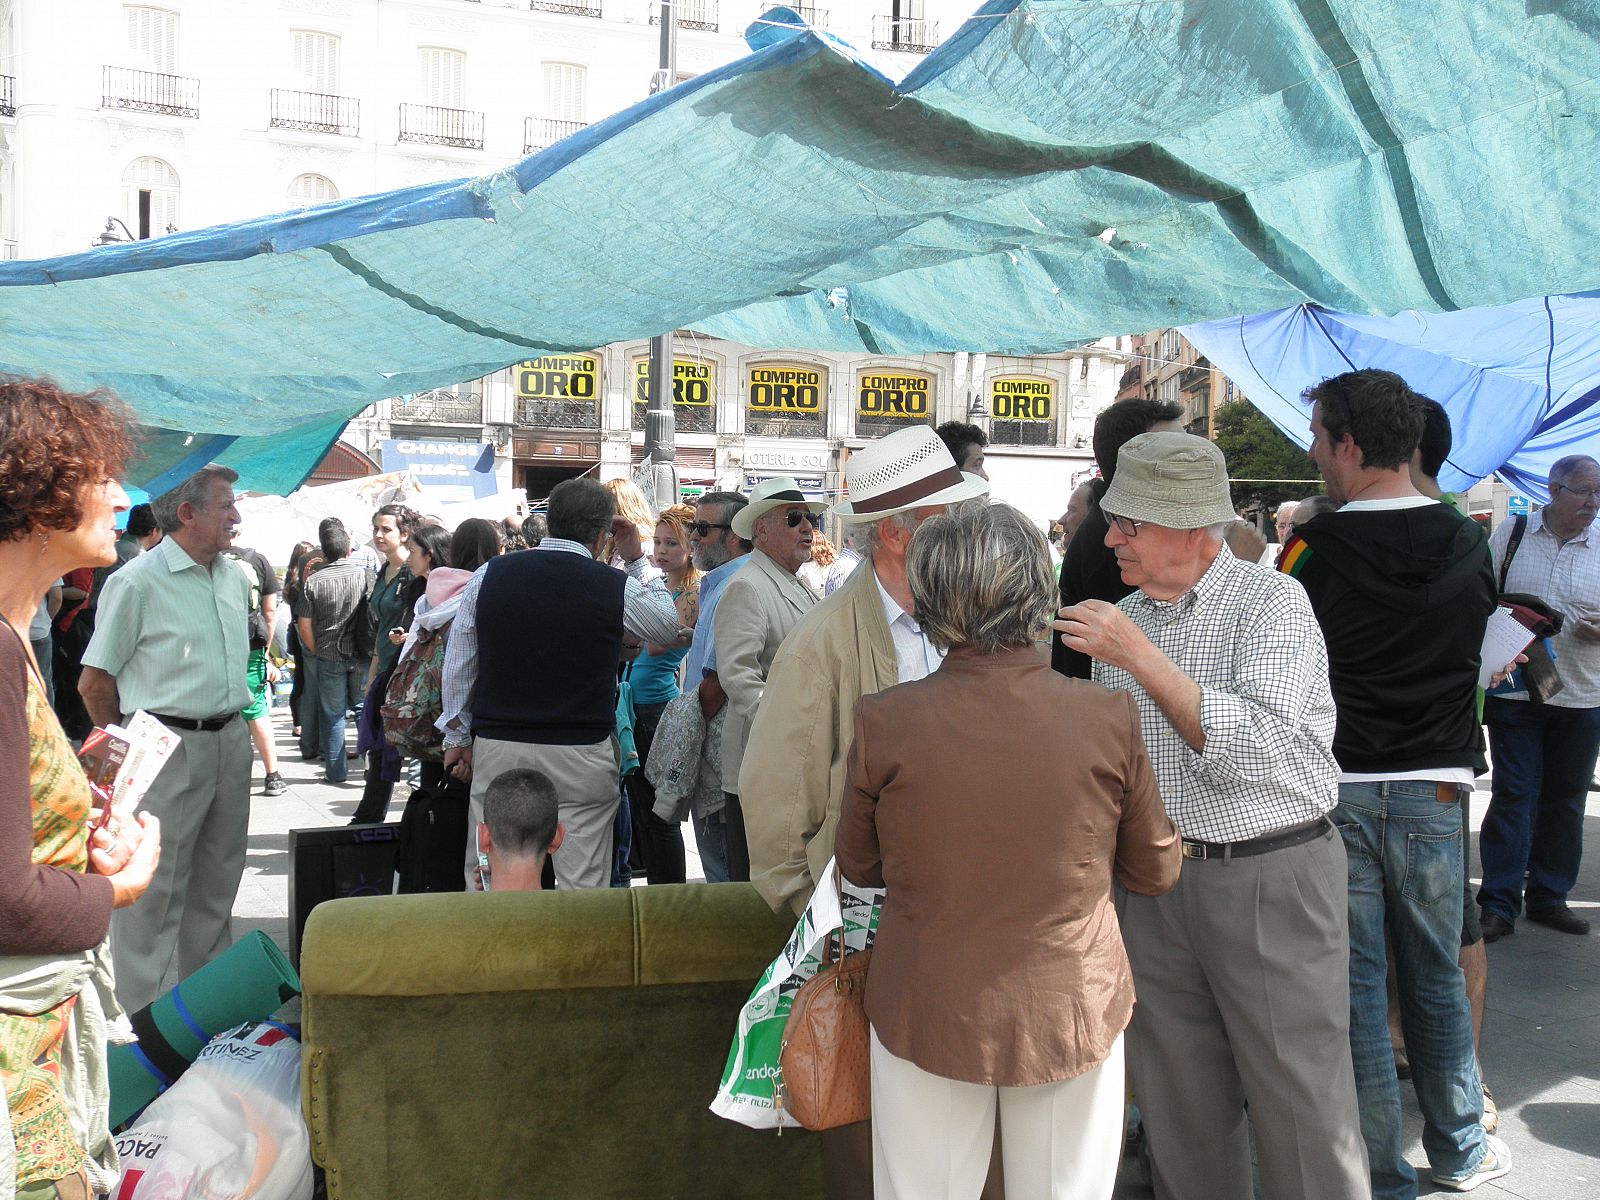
x,y
1022,398
887,394
559,377
692,382
783,389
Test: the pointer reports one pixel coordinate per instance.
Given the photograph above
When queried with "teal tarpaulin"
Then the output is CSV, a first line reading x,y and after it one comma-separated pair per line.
x,y
1057,171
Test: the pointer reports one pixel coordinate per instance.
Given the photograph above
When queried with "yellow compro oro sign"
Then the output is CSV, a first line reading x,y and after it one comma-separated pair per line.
x,y
692,382
781,389
889,393
559,377
1022,398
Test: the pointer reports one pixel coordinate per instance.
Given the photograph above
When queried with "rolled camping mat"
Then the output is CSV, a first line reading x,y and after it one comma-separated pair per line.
x,y
249,981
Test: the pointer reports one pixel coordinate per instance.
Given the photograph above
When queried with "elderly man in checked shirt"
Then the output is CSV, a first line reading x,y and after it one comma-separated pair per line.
x,y
1242,970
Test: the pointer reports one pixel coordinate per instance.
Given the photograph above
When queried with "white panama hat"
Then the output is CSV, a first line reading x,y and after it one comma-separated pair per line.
x,y
911,468
768,495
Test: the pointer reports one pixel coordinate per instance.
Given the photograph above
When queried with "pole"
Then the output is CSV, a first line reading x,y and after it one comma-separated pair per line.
x,y
660,423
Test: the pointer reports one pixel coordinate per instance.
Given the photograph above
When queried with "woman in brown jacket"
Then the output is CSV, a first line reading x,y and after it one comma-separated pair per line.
x,y
994,800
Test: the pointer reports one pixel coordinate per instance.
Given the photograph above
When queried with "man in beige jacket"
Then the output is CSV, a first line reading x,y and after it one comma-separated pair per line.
x,y
858,641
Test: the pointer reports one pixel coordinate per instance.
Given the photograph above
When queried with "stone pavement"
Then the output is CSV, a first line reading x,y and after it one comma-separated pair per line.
x,y
1541,1037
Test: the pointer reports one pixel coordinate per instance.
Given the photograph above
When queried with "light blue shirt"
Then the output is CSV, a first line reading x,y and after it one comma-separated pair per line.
x,y
702,656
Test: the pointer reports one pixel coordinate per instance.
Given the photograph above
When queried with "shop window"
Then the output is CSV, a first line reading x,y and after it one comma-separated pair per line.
x,y
785,399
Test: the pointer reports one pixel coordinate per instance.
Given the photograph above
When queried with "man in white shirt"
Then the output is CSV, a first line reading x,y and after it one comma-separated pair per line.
x,y
1544,754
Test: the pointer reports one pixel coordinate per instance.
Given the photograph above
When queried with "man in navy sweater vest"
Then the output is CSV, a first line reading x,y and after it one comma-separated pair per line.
x,y
530,672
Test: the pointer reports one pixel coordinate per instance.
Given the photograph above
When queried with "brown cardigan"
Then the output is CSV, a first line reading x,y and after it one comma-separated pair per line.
x,y
993,800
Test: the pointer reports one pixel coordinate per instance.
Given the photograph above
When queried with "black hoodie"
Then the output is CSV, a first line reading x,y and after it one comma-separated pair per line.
x,y
1402,596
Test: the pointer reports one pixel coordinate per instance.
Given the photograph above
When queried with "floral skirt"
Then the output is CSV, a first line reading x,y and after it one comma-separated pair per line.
x,y
30,1070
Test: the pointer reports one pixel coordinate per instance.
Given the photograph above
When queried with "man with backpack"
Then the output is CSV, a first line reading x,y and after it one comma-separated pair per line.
x,y
336,633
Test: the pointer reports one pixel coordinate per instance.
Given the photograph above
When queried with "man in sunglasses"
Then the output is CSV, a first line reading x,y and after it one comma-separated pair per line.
x,y
1532,837
1242,970
758,607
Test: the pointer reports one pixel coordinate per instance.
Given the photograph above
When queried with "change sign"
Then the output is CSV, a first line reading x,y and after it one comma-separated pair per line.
x,y
1022,398
691,382
779,388
559,377
899,394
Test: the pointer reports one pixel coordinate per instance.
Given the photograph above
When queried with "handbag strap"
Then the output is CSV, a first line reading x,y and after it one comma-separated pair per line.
x,y
1519,526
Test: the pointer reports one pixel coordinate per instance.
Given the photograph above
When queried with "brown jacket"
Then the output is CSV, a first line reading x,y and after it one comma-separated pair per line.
x,y
994,800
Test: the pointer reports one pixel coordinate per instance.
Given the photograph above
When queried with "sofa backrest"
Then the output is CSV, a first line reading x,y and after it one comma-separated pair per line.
x,y
551,1044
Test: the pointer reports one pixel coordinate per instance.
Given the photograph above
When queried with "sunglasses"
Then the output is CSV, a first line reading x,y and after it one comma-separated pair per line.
x,y
704,528
796,515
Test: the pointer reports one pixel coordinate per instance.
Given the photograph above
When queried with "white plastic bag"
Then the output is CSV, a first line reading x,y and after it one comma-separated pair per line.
x,y
230,1128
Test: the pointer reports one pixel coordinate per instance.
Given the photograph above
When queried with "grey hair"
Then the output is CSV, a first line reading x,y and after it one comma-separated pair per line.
x,y
869,539
981,576
1561,470
1216,532
194,491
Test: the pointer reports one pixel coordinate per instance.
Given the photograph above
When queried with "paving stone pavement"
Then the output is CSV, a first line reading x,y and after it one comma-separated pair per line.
x,y
1541,1038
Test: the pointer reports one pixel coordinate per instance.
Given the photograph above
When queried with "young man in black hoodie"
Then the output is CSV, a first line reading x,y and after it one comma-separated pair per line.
x,y
1403,588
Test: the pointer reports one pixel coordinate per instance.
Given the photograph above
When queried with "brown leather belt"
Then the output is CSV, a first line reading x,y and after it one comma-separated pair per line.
x,y
1282,839
190,725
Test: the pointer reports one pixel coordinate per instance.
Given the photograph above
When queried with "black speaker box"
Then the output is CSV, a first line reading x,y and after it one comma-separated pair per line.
x,y
330,864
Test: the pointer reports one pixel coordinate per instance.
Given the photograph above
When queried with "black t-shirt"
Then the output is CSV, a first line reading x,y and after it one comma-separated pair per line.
x,y
1089,571
263,582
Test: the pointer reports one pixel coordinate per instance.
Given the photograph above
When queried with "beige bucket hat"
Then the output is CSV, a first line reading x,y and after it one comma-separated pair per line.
x,y
908,469
1172,479
768,495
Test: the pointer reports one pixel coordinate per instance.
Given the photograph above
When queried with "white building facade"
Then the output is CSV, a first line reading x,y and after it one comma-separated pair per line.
x,y
129,120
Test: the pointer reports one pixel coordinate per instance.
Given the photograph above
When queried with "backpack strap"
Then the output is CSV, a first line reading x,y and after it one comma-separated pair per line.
x,y
1519,526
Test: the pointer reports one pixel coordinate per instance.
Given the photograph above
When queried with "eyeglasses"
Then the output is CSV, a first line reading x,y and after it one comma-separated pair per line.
x,y
704,528
796,515
1130,527
1584,494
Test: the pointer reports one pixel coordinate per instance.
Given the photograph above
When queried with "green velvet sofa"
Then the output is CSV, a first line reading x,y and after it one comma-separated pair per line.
x,y
553,1045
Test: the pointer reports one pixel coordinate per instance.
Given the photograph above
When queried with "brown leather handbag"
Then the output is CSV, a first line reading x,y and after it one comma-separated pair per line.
x,y
827,1077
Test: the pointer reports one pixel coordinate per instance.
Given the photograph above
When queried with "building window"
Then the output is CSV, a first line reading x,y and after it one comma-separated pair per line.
x,y
1024,410
316,61
152,38
310,189
785,399
443,76
150,197
565,92
888,398
1167,391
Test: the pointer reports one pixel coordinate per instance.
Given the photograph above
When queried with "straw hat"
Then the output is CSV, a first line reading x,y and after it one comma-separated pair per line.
x,y
768,495
908,469
1175,480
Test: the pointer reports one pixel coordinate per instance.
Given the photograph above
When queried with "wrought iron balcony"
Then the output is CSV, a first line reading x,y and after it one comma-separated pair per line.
x,y
442,406
692,14
8,95
539,132
151,91
573,8
434,126
817,18
915,35
315,112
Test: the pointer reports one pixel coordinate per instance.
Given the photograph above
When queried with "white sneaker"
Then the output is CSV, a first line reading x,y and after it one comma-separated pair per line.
x,y
1495,1162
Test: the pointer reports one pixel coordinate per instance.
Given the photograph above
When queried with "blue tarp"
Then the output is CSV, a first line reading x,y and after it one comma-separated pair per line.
x,y
1521,381
1056,171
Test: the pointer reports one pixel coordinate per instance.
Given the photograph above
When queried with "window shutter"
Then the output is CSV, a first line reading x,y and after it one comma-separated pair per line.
x,y
443,76
153,38
565,96
316,60
310,189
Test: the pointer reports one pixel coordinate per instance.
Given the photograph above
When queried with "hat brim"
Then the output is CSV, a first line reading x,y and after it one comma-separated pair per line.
x,y
744,521
1170,514
970,487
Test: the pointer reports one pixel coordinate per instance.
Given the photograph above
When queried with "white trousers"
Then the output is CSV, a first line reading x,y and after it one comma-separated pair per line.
x,y
588,790
932,1136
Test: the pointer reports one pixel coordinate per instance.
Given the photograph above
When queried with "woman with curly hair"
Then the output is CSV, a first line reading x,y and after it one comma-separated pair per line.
x,y
61,871
386,612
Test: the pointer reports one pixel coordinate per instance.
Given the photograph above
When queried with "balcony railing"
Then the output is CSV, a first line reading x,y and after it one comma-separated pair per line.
x,y
434,126
573,8
692,14
438,407
151,91
817,18
8,95
315,112
916,35
539,132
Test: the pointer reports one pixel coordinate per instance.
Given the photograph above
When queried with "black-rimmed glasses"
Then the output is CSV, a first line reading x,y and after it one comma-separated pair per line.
x,y
1130,528
1584,494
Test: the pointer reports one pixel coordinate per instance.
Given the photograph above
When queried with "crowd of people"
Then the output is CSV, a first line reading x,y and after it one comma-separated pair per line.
x,y
1219,851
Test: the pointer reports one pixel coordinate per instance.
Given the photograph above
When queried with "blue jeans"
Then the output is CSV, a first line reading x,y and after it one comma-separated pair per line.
x,y
310,707
711,839
1543,760
339,689
1405,851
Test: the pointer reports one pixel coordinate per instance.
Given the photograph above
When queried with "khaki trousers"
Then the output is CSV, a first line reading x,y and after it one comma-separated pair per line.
x,y
933,1137
202,799
589,791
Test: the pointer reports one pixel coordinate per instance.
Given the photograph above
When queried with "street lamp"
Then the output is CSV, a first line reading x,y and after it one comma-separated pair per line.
x,y
108,236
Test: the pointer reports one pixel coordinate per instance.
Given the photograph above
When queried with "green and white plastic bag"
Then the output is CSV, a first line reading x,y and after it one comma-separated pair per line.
x,y
752,1075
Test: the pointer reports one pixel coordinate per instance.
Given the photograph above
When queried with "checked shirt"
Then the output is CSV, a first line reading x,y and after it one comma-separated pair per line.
x,y
1247,636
